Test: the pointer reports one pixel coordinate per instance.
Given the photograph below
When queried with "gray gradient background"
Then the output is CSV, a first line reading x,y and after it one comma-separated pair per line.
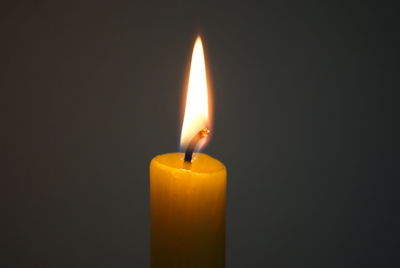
x,y
306,121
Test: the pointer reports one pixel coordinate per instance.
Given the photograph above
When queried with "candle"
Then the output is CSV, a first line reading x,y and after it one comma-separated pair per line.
x,y
188,190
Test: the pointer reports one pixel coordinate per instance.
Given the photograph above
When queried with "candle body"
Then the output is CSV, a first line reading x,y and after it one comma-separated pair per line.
x,y
187,211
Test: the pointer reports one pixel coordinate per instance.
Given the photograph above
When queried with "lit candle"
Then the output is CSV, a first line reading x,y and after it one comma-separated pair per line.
x,y
188,190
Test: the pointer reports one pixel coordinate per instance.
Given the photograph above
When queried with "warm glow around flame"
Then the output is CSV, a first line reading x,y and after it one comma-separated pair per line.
x,y
196,115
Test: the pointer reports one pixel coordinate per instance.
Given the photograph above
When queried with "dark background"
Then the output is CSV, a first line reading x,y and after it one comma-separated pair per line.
x,y
306,121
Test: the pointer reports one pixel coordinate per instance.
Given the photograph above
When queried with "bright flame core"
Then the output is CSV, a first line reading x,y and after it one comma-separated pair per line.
x,y
196,115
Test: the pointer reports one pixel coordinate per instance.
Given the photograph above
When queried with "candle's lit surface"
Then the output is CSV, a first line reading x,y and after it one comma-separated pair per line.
x,y
187,211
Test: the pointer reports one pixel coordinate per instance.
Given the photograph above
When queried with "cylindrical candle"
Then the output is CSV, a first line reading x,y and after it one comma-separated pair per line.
x,y
187,203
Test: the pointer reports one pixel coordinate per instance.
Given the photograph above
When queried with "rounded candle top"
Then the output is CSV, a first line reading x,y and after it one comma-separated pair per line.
x,y
201,163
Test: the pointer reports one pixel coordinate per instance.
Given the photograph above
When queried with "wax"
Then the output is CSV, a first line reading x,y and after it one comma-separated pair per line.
x,y
187,211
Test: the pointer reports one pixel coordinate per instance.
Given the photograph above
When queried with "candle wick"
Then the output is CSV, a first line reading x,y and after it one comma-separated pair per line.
x,y
192,145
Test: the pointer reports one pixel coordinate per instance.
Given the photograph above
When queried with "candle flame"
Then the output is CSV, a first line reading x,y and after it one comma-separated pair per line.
x,y
197,112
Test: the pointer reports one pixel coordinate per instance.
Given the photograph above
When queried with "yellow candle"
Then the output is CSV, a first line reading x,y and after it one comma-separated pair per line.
x,y
187,211
188,190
